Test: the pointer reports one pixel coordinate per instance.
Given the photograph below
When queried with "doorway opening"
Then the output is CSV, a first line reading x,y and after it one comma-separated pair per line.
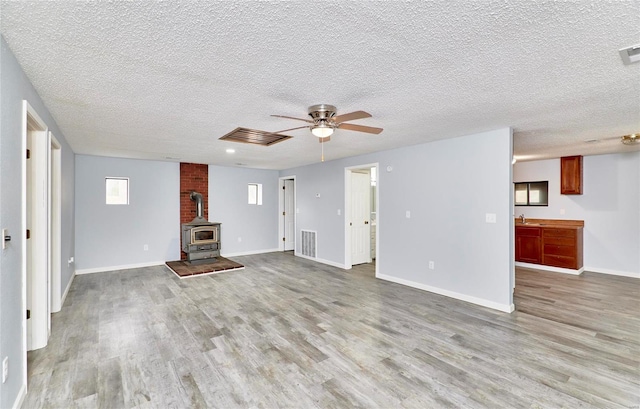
x,y
287,214
361,215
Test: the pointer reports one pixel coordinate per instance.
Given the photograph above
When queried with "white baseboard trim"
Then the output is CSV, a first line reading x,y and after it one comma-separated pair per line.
x,y
20,398
458,296
549,268
613,272
121,267
323,261
66,291
249,253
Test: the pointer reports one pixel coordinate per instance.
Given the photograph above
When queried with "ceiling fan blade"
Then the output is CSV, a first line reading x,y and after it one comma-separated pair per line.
x,y
351,116
290,117
360,128
325,139
291,129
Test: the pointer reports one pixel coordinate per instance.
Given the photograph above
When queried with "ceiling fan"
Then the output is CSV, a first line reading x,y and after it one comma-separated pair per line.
x,y
630,139
324,121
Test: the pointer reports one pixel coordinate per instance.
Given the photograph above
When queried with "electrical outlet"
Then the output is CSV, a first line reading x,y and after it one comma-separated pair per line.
x,y
490,217
5,369
407,214
71,260
339,212
146,247
432,265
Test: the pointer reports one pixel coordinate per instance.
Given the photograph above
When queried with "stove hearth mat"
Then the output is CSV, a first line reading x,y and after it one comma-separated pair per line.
x,y
185,269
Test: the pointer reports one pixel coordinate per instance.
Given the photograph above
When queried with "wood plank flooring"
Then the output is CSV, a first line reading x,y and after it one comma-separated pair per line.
x,y
290,333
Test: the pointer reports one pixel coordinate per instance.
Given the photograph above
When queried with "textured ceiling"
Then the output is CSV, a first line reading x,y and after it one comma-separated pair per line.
x,y
158,80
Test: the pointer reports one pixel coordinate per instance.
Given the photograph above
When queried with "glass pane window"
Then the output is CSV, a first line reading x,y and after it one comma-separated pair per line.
x,y
117,190
531,194
520,195
538,193
255,194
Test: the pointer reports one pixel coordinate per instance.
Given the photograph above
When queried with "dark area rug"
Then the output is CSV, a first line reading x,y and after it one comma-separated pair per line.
x,y
184,269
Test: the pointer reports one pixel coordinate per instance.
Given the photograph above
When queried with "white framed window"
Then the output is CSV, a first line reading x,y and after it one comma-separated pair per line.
x,y
255,194
117,190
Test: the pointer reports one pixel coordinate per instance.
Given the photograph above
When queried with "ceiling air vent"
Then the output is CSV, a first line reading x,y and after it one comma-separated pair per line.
x,y
254,136
630,54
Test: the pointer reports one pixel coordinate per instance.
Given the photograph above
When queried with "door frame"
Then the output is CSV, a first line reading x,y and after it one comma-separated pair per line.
x,y
347,212
281,231
55,224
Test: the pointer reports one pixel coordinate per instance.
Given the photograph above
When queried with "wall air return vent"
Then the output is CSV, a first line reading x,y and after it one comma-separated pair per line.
x,y
254,136
309,243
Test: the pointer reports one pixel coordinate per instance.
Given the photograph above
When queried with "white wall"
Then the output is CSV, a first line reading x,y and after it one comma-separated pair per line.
x,y
113,236
319,214
448,186
245,228
609,206
16,87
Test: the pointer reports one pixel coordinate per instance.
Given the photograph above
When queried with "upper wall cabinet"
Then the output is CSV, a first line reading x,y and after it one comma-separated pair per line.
x,y
571,175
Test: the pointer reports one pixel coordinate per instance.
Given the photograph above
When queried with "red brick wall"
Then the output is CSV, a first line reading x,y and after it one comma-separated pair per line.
x,y
193,177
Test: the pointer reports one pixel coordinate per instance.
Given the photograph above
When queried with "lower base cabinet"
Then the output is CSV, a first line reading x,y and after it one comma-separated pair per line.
x,y
562,247
528,245
554,246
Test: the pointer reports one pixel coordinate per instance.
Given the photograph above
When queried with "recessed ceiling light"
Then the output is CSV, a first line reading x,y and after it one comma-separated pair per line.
x,y
630,55
231,150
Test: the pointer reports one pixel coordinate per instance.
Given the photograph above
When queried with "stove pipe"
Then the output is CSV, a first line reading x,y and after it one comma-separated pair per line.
x,y
197,197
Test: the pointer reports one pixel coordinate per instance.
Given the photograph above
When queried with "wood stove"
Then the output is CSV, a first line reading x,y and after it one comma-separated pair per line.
x,y
200,238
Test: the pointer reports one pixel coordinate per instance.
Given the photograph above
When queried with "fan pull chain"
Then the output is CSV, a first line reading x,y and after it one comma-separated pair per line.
x,y
322,158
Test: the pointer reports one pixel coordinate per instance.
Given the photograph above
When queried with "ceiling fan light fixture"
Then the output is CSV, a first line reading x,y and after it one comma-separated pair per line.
x,y
322,130
631,139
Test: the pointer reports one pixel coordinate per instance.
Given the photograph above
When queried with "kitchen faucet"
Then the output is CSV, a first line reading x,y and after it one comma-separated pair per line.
x,y
522,218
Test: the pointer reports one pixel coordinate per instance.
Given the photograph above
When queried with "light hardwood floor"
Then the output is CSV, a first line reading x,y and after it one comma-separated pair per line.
x,y
290,333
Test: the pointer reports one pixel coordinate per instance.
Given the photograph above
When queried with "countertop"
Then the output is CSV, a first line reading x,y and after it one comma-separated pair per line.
x,y
565,224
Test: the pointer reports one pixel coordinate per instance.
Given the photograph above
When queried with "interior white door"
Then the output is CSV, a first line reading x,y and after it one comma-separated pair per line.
x,y
360,218
289,215
29,242
38,240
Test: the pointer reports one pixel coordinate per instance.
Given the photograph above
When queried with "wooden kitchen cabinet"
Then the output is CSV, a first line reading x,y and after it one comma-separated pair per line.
x,y
528,244
562,247
550,245
571,175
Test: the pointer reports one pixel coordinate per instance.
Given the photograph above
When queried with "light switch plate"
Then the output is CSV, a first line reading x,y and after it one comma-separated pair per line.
x,y
490,217
408,214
